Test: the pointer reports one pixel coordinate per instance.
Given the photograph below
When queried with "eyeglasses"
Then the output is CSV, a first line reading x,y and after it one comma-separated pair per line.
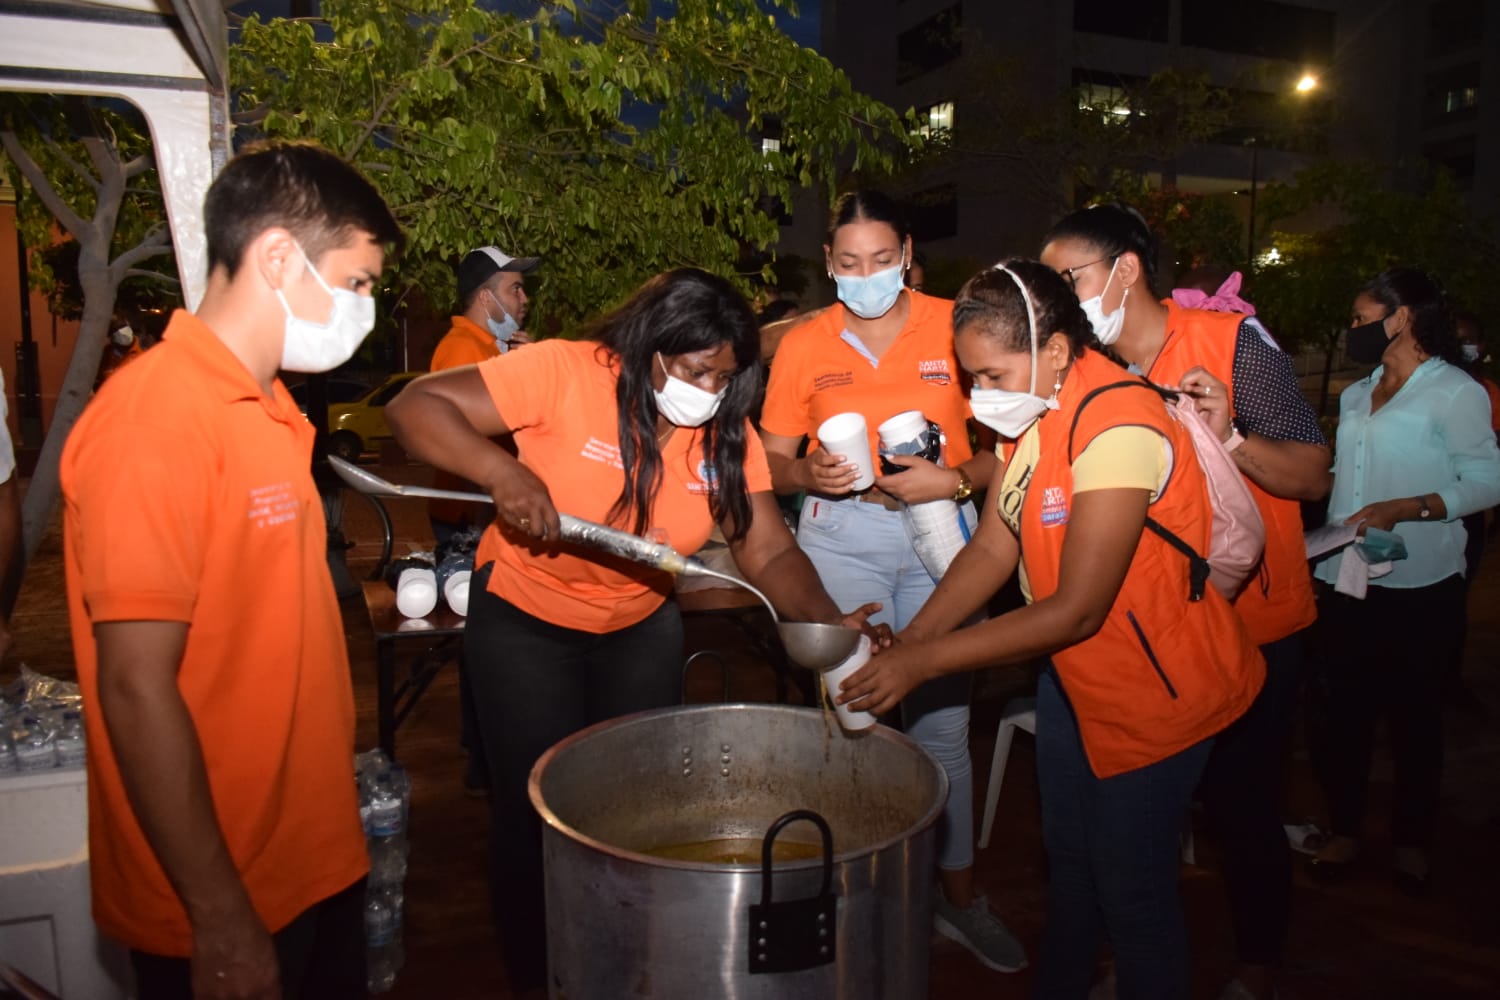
x,y
1071,273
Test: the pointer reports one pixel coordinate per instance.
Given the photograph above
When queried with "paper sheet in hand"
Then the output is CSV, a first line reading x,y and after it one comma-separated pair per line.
x,y
1323,540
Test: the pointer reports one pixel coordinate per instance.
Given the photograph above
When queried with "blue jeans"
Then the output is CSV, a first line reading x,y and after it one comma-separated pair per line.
x,y
862,554
1112,852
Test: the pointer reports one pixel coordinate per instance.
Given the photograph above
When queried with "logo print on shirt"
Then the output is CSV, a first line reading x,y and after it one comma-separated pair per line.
x,y
937,372
708,480
832,380
272,505
602,451
1054,506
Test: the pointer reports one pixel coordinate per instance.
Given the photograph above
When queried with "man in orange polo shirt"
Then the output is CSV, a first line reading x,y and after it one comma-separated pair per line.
x,y
489,281
492,295
224,833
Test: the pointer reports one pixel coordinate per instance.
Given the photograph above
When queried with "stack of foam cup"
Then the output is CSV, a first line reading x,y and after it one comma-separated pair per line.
x,y
849,719
848,435
416,592
456,591
935,528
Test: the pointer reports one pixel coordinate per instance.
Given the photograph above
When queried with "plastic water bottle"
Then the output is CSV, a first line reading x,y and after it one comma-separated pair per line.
x,y
380,966
7,750
387,861
34,746
70,745
387,808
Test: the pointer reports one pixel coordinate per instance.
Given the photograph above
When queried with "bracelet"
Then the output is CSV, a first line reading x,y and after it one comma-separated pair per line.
x,y
1235,438
965,487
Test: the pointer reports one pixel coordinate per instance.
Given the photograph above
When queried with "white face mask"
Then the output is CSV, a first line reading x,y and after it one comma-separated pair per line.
x,y
683,403
1006,412
501,330
321,347
871,296
1106,328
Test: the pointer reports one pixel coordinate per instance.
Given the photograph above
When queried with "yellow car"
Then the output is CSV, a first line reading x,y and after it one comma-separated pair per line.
x,y
357,427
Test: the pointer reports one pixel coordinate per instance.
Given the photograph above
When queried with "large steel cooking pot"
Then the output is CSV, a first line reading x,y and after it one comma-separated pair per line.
x,y
622,922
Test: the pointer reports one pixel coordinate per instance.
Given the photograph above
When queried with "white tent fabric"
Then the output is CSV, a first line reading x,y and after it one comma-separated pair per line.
x,y
167,57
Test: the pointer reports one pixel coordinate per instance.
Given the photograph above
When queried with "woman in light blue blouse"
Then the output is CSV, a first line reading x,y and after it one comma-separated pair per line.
x,y
1414,454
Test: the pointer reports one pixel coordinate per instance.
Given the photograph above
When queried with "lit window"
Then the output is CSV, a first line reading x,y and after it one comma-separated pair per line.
x,y
1461,99
770,146
935,118
1111,103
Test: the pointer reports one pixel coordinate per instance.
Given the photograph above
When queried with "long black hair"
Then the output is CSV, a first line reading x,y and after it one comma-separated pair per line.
x,y
1112,229
1431,319
682,312
991,303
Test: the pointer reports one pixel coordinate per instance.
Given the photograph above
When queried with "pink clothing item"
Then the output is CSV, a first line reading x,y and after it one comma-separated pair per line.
x,y
1226,299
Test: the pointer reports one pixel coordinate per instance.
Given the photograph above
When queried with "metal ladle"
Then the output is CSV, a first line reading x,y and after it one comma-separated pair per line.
x,y
810,644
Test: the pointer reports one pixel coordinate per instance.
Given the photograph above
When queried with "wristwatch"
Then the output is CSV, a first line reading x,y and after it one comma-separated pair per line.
x,y
1426,512
965,488
1235,438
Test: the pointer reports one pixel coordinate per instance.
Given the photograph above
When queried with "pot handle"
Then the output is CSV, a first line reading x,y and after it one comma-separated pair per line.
x,y
768,844
794,934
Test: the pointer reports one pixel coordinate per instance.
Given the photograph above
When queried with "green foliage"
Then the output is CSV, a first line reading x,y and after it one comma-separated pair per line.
x,y
1358,229
1199,229
611,144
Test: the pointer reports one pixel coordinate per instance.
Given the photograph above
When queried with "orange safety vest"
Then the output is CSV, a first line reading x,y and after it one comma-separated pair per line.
x,y
1163,672
1278,598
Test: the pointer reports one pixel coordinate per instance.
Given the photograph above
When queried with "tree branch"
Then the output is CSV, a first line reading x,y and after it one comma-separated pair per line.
x,y
156,242
140,272
138,166
61,211
72,164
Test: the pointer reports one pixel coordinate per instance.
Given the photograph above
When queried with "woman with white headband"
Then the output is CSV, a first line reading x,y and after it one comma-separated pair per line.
x,y
1141,676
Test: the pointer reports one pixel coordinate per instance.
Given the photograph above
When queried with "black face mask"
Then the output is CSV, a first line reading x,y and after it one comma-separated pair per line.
x,y
1365,344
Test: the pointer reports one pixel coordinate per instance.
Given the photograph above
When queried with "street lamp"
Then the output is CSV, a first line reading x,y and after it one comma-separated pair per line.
x,y
1305,85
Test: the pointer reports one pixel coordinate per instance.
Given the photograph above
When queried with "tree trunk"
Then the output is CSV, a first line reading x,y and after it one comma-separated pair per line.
x,y
77,387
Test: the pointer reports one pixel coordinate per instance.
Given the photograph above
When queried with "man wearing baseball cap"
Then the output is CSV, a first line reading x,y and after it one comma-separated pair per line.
x,y
492,295
493,300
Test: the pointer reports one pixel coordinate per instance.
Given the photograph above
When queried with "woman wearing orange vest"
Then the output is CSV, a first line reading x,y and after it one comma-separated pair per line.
x,y
1141,677
1246,385
644,427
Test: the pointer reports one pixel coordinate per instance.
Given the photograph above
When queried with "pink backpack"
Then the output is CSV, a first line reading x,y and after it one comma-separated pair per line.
x,y
1238,534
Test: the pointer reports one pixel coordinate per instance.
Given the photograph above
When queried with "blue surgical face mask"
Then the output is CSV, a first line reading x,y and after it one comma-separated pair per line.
x,y
871,296
501,330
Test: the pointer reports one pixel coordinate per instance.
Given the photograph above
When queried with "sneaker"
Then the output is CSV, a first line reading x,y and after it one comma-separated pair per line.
x,y
1305,838
980,931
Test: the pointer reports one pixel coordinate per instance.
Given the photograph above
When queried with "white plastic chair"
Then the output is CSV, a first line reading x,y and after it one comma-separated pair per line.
x,y
1020,713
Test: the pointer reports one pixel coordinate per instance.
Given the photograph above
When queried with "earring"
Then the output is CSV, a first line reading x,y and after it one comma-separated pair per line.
x,y
1056,383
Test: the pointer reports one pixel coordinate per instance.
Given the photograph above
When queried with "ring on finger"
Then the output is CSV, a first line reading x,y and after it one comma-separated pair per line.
x,y
523,522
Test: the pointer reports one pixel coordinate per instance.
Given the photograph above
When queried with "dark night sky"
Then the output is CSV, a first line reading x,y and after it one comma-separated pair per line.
x,y
804,28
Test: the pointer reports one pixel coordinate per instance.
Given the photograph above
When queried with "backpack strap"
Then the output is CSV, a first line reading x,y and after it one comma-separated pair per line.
x,y
1198,568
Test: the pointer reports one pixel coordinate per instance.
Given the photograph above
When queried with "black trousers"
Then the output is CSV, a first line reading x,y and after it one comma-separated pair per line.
x,y
1241,793
534,685
1386,655
321,954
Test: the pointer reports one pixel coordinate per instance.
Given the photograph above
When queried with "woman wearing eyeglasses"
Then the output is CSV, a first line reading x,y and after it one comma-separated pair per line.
x,y
1246,385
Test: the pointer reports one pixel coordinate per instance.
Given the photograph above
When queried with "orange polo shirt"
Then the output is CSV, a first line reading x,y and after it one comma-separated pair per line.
x,y
818,374
558,397
189,498
465,343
